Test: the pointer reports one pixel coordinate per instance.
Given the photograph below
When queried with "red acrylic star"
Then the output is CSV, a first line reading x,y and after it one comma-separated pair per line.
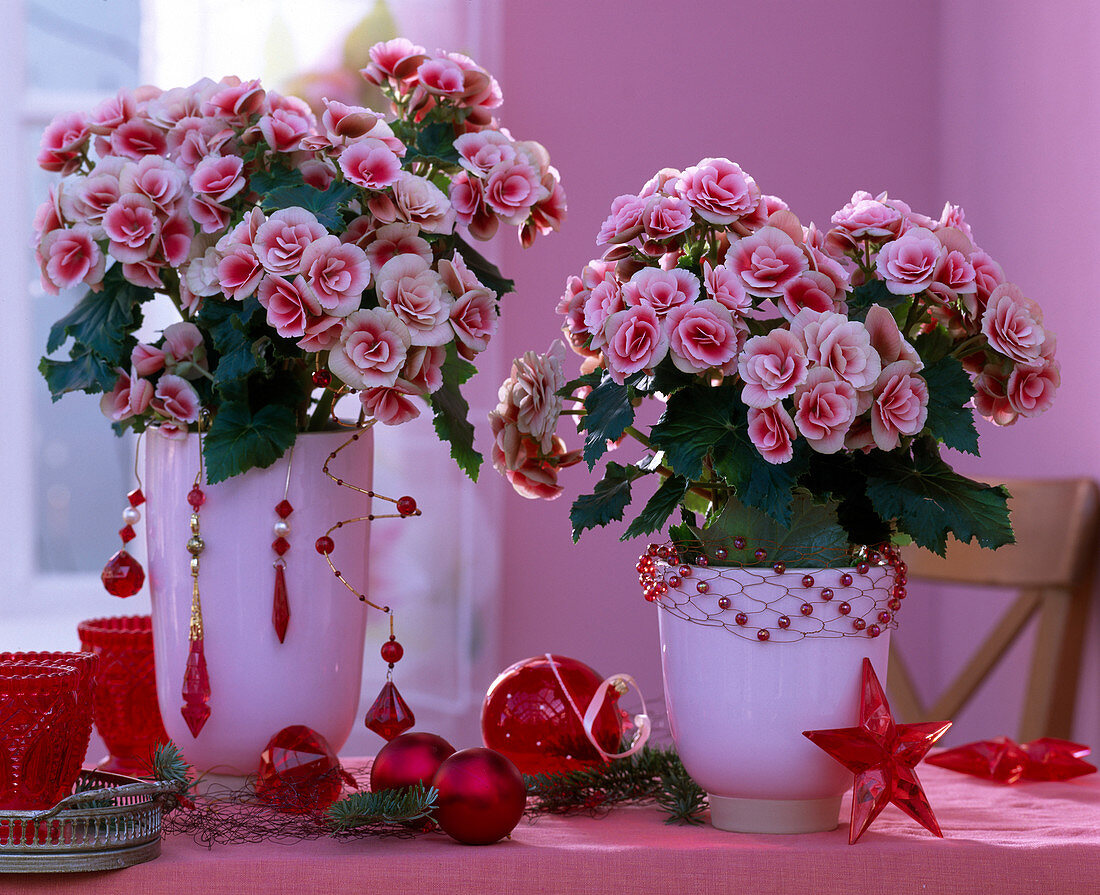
x,y
1003,760
882,755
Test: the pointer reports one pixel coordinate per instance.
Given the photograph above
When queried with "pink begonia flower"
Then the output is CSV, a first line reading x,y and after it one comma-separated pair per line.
x,y
665,217
481,151
137,138
823,260
766,261
343,122
467,195
289,304
529,396
991,396
718,190
810,291
392,240
48,215
131,226
825,408
1030,390
284,129
176,397
1013,324
115,404
772,431
239,272
663,182
512,188
200,274
318,173
373,347
531,472
370,164
441,77
144,273
387,57
772,367
69,257
111,112
604,299
360,231
62,143
281,239
146,359
988,275
390,405
337,273
423,369
634,340
726,288
661,290
184,350
908,264
211,216
322,333
900,405
866,216
887,340
548,214
141,395
956,273
953,216
703,335
473,315
237,99
219,178
842,345
156,178
624,222
193,139
175,240
419,201
414,292
244,233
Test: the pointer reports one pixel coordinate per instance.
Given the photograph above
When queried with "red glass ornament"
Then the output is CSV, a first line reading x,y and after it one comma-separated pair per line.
x,y
322,378
280,609
702,587
882,754
390,715
407,760
196,498
136,498
123,575
674,581
844,608
859,624
807,580
1049,758
283,508
845,580
127,534
127,714
406,505
299,772
196,688
826,593
1003,760
779,568
481,796
721,554
280,545
761,554
784,621
763,634
741,618
392,651
724,602
530,719
739,543
325,545
685,571
862,568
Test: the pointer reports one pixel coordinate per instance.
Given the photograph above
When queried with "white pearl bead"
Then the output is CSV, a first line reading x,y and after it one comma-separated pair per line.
x,y
131,515
281,528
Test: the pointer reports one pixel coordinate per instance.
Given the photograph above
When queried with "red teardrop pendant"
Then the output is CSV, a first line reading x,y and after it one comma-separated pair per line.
x,y
196,689
123,575
390,715
280,611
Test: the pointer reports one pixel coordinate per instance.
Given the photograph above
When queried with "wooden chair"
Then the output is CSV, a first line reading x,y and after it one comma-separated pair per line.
x,y
1052,566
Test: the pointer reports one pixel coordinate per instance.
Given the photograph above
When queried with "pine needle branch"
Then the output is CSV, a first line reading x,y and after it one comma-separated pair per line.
x,y
389,807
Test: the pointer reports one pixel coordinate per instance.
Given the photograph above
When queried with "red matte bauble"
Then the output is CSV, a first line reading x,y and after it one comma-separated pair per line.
x,y
528,718
299,772
481,796
409,759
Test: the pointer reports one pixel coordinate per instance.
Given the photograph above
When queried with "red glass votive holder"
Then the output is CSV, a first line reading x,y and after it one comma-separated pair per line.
x,y
39,712
86,665
127,715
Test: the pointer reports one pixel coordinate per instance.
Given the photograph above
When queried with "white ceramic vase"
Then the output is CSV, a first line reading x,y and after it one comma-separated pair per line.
x,y
259,685
738,704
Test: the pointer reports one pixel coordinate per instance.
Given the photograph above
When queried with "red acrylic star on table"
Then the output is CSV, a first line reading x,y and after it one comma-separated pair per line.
x,y
882,755
1003,760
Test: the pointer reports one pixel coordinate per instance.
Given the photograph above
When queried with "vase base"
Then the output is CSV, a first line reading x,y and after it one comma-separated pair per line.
x,y
774,815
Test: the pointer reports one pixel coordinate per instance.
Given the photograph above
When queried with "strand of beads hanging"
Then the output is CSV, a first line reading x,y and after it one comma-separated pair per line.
x,y
802,595
196,680
123,576
280,607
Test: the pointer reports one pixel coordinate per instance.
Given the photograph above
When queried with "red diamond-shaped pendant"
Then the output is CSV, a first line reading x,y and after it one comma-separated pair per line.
x,y
390,715
283,508
123,575
280,610
299,772
196,689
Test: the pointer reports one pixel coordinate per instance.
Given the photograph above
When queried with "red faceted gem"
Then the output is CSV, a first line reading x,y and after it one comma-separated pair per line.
x,y
322,378
127,534
784,621
280,609
406,506
859,624
299,772
806,609
325,545
739,543
763,634
136,498
196,498
280,545
123,575
761,554
862,568
390,715
724,602
392,651
844,608
283,508
779,568
807,580
196,689
845,580
873,631
741,618
826,593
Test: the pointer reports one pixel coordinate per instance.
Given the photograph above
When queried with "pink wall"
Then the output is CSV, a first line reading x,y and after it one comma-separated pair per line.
x,y
815,101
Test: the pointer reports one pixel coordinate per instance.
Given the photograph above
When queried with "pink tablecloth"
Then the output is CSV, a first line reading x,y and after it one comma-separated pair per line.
x,y
1030,838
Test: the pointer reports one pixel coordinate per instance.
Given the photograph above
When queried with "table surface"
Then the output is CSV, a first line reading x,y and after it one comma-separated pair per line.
x,y
1031,837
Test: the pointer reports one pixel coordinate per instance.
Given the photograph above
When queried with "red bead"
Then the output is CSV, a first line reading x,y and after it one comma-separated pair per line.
x,y
874,557
724,602
660,588
873,631
196,498
779,568
702,587
299,772
196,689
325,545
280,545
763,634
136,498
721,553
901,568
899,592
674,581
900,579
283,508
862,568
702,561
392,651
127,534
807,580
741,618
280,608
894,604
784,622
845,580
884,617
806,609
322,378
649,595
123,575
761,554
390,715
685,571
844,608
859,624
826,593
662,552
738,543
406,505
652,549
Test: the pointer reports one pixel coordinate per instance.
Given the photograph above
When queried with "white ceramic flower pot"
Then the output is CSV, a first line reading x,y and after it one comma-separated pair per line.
x,y
259,685
737,705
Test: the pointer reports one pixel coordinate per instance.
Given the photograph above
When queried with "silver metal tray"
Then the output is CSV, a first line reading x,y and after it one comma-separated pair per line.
x,y
111,822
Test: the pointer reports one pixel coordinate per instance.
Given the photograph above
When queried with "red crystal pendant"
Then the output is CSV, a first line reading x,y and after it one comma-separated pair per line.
x,y
196,689
280,611
299,772
123,575
390,715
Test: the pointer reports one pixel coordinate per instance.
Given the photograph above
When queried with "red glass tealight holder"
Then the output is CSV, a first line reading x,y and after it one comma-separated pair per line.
x,y
39,711
127,714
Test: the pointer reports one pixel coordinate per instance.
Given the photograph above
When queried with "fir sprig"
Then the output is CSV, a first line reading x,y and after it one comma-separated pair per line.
x,y
390,807
169,766
653,775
